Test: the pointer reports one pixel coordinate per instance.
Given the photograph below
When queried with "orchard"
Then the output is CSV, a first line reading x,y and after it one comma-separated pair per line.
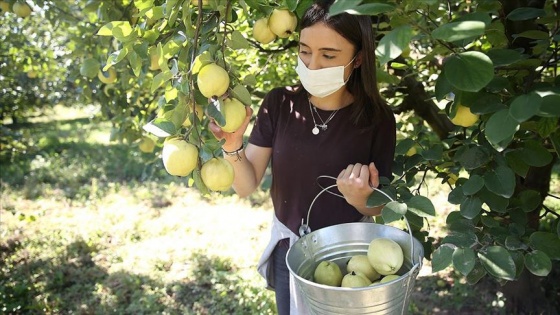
x,y
474,84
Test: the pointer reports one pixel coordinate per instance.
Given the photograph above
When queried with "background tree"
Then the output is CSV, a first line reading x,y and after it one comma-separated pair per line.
x,y
475,84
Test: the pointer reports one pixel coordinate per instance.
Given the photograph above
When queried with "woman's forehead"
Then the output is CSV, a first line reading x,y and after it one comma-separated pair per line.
x,y
320,36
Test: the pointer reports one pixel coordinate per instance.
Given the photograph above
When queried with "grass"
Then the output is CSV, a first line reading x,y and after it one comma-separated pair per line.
x,y
93,227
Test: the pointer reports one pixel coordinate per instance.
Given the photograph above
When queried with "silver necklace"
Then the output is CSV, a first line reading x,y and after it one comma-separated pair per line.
x,y
323,124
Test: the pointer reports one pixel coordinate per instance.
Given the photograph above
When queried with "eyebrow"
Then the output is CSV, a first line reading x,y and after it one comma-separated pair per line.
x,y
322,49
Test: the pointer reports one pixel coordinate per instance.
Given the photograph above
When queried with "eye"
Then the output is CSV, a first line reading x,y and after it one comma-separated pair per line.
x,y
328,57
303,52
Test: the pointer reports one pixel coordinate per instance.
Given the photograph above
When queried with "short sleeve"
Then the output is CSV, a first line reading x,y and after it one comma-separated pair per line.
x,y
262,134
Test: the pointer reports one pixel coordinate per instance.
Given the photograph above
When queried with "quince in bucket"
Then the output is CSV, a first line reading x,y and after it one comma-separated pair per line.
x,y
385,256
328,273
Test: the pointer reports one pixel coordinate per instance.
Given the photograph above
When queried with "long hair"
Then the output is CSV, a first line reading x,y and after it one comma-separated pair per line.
x,y
362,83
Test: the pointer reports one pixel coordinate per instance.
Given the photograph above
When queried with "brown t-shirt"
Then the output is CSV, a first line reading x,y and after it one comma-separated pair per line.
x,y
299,157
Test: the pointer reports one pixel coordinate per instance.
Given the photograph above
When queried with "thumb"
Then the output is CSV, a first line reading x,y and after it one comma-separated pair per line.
x,y
373,175
248,115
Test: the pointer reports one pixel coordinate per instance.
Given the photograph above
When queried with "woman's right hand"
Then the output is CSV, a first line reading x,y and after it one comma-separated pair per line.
x,y
233,140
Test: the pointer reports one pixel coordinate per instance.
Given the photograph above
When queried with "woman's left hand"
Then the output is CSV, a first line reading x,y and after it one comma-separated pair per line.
x,y
355,182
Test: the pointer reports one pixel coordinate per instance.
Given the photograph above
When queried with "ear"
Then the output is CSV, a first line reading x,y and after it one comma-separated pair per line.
x,y
358,61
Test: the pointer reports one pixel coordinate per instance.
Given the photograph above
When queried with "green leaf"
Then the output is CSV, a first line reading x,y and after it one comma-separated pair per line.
x,y
525,13
533,34
530,200
535,154
476,274
121,30
414,220
455,31
469,71
547,242
538,263
498,262
372,9
461,239
341,6
489,221
393,44
355,7
160,79
473,157
179,114
457,223
500,181
90,68
495,34
549,106
214,112
421,206
476,16
519,260
201,60
242,94
403,146
135,63
504,57
160,127
456,196
393,211
516,163
302,6
442,258
473,185
525,106
518,222
116,57
143,4
500,126
443,86
434,153
471,207
238,41
199,183
377,199
464,260
172,47
151,35
495,202
514,243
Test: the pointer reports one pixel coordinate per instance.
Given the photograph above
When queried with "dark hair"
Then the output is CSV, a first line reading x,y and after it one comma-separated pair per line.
x,y
358,30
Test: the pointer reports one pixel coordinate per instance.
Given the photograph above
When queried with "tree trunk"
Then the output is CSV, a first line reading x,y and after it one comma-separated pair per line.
x,y
418,100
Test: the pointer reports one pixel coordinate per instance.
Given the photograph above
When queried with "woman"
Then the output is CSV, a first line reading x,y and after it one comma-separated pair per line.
x,y
334,124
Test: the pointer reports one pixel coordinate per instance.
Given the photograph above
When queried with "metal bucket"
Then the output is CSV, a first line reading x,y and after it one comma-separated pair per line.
x,y
340,242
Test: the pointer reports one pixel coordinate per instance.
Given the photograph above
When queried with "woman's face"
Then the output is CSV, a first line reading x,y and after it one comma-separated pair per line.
x,y
322,47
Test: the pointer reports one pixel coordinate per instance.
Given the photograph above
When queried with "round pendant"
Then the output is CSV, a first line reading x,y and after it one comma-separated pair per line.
x,y
315,130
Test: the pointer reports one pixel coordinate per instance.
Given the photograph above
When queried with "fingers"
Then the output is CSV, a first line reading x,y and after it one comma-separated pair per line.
x,y
249,114
359,174
373,175
220,134
215,129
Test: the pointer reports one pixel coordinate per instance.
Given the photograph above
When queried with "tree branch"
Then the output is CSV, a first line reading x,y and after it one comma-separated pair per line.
x,y
289,45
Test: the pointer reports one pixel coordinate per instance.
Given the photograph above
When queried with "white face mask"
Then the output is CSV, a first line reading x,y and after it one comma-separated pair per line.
x,y
321,82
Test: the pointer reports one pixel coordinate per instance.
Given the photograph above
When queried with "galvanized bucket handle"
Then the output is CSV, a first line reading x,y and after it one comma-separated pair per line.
x,y
304,228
